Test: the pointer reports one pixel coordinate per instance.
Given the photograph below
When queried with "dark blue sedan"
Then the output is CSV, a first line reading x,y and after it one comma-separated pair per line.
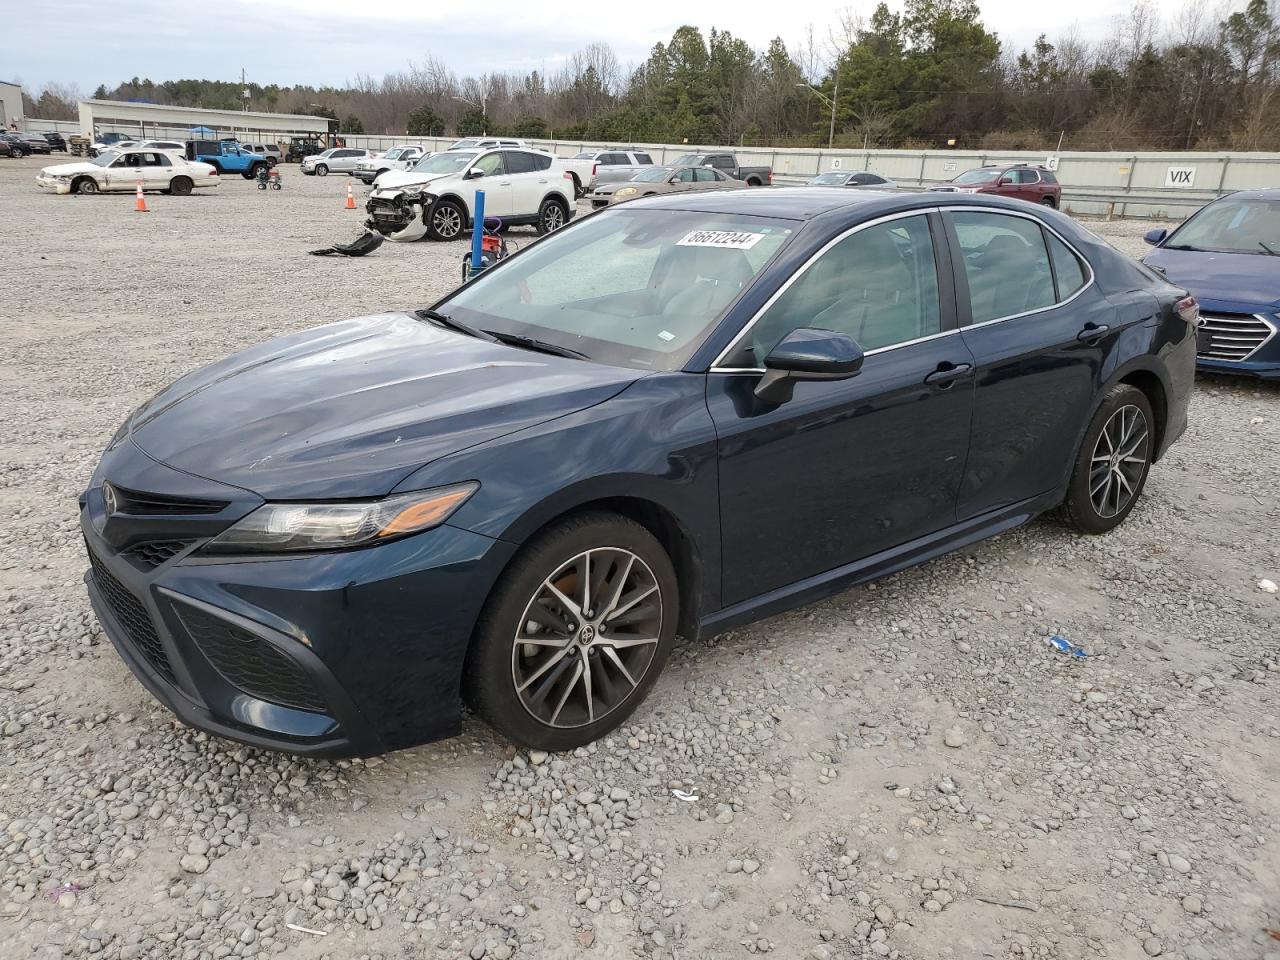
x,y
1225,255
673,417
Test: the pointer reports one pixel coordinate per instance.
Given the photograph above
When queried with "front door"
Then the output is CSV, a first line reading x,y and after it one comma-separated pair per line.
x,y
845,469
495,183
124,172
1041,334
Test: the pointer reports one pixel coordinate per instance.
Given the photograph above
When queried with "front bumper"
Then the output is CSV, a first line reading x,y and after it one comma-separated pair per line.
x,y
1260,369
336,654
54,184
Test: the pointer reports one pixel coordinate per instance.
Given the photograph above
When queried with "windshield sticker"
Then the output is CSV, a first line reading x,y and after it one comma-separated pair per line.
x,y
733,239
666,335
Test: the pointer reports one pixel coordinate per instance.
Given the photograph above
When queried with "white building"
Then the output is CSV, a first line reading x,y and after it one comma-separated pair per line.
x,y
147,120
11,104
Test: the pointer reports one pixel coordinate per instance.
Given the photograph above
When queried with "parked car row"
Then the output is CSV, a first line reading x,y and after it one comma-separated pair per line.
x,y
25,144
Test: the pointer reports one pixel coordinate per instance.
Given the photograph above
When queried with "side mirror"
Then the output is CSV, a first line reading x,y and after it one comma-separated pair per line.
x,y
1155,237
474,173
1005,182
807,354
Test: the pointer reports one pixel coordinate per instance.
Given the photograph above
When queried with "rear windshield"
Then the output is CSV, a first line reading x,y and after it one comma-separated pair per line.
x,y
829,178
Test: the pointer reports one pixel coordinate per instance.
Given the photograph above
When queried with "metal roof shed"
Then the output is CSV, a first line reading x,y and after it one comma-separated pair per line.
x,y
153,119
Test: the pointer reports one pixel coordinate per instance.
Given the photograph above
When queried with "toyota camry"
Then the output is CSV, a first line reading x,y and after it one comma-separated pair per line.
x,y
670,418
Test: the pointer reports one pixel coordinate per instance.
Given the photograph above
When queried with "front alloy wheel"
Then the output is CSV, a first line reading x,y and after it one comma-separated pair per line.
x,y
588,633
575,632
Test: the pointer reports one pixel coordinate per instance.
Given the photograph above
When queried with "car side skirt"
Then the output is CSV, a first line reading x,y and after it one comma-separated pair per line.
x,y
823,585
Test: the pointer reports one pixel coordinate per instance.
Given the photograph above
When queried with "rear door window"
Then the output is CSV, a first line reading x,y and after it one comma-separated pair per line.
x,y
1067,269
1006,264
643,158
518,162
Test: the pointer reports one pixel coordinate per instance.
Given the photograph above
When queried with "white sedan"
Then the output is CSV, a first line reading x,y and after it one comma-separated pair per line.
x,y
121,172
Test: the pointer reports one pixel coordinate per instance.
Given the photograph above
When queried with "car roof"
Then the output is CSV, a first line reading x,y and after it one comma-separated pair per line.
x,y
1271,194
809,203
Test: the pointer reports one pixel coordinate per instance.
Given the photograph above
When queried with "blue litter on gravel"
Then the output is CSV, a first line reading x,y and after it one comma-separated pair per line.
x,y
1063,645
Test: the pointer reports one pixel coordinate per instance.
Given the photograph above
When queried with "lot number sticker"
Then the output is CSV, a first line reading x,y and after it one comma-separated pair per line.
x,y
1180,177
733,239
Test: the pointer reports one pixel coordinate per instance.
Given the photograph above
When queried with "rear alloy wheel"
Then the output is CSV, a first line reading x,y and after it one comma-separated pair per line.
x,y
575,634
448,220
180,186
551,216
1112,465
1048,202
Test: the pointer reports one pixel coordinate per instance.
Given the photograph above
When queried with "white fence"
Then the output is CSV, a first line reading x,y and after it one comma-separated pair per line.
x,y
1164,185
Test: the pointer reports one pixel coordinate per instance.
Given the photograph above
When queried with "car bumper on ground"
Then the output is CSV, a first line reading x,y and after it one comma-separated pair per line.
x,y
328,654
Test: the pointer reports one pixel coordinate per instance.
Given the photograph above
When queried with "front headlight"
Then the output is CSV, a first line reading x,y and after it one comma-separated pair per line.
x,y
285,527
626,192
414,191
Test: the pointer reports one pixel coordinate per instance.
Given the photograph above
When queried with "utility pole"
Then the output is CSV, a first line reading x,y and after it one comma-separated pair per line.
x,y
830,101
244,92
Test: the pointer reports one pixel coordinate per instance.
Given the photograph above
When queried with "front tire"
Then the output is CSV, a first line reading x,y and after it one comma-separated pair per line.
x,y
86,186
552,215
575,633
321,170
448,220
1112,465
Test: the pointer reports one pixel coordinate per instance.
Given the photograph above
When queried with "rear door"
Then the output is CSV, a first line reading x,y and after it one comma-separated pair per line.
x,y
528,174
1041,334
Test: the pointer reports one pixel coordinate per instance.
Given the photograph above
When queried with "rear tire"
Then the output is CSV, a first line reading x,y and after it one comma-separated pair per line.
x,y
1112,464
552,215
581,673
180,186
1048,202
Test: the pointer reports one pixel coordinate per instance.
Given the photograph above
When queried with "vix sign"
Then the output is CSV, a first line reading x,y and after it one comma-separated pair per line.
x,y
1180,177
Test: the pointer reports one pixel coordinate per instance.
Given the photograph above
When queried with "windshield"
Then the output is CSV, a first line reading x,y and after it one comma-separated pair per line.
x,y
585,155
656,175
688,160
105,158
465,144
632,288
1232,226
836,178
977,176
392,155
447,162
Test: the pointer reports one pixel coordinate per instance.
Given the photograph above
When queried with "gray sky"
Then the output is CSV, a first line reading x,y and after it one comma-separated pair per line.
x,y
324,42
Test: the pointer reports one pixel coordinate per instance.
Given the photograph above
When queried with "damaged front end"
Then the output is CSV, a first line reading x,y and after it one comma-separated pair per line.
x,y
400,214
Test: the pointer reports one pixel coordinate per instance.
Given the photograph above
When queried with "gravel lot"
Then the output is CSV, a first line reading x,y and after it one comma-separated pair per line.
x,y
906,770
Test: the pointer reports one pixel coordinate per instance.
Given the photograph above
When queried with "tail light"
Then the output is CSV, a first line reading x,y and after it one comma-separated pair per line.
x,y
594,168
1188,309
770,177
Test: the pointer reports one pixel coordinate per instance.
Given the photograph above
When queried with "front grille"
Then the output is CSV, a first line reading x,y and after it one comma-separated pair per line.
x,y
1233,336
251,663
149,555
157,504
133,616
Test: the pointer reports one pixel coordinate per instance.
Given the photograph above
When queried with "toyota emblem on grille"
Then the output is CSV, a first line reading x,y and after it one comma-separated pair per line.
x,y
110,498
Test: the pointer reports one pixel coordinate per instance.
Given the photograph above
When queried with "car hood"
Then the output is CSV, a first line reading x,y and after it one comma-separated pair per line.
x,y
1228,278
396,179
351,409
67,169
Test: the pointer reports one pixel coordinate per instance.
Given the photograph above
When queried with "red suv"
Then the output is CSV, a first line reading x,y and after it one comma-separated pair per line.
x,y
1034,184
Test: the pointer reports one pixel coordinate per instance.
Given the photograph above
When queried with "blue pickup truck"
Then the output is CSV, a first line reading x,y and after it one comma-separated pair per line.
x,y
226,156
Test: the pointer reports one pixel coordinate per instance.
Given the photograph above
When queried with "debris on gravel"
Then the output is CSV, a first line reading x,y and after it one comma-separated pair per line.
x,y
906,770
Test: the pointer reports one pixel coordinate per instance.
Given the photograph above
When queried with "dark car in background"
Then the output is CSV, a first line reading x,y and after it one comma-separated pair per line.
x,y
1225,254
17,146
8,150
36,142
1018,181
856,178
675,416
56,141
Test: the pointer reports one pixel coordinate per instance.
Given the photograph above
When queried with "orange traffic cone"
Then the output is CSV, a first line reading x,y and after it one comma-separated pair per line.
x,y
140,202
351,197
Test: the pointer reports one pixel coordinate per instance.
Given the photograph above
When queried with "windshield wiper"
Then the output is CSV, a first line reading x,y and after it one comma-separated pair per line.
x,y
444,320
1182,246
1270,252
529,343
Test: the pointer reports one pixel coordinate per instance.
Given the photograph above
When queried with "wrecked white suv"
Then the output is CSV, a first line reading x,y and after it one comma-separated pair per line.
x,y
437,198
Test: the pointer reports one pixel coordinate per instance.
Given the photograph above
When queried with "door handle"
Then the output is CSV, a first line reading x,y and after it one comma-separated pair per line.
x,y
947,374
1092,332
504,183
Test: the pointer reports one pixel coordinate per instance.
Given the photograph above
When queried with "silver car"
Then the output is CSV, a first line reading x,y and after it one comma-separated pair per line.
x,y
616,164
333,160
861,179
663,180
